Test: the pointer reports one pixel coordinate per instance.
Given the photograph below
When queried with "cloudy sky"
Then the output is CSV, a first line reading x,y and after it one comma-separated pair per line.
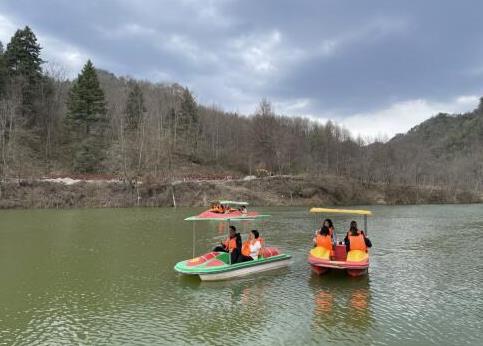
x,y
376,67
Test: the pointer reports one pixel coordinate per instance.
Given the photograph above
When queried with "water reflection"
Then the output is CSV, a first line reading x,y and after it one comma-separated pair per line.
x,y
343,306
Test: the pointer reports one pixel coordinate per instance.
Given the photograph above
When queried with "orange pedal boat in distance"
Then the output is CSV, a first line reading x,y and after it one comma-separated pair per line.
x,y
355,262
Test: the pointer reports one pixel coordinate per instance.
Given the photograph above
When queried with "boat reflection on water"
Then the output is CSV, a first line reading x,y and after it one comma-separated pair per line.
x,y
341,305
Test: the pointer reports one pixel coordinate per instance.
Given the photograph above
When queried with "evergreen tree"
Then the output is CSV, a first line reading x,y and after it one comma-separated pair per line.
x,y
135,108
86,119
188,115
23,63
188,121
86,105
3,71
479,109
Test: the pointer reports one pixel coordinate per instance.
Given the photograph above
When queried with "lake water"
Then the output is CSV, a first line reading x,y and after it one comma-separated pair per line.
x,y
106,276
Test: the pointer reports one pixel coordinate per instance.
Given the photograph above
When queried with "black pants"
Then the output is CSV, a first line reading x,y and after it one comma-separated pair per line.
x,y
244,258
235,255
220,248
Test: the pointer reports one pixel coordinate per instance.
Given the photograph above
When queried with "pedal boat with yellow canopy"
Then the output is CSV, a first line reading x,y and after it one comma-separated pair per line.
x,y
216,266
355,262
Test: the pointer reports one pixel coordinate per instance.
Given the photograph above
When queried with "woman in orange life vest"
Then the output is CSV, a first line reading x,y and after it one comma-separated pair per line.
x,y
356,239
251,247
323,238
232,245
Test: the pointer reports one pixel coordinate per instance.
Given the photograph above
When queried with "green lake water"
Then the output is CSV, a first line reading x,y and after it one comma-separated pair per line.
x,y
105,277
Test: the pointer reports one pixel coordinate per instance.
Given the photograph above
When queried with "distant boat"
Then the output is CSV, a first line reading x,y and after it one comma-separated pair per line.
x,y
229,210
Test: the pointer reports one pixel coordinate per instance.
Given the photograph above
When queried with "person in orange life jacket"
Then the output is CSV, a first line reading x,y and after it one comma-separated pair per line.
x,y
232,244
356,239
323,239
251,247
216,208
330,227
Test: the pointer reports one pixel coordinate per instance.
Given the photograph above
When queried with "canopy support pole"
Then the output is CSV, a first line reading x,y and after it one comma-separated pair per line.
x,y
194,239
365,224
228,229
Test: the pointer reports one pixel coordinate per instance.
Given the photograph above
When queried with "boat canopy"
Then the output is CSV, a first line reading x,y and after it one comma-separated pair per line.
x,y
341,211
226,218
230,202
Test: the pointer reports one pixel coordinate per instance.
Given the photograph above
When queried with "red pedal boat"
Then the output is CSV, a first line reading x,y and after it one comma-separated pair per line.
x,y
355,262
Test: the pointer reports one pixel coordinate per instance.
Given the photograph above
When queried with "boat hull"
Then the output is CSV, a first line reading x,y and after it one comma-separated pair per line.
x,y
338,262
215,266
242,272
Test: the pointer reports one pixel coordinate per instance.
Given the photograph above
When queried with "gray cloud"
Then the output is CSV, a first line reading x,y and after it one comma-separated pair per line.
x,y
318,58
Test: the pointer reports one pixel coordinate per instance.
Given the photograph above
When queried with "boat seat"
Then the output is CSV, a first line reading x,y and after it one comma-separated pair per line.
x,y
357,256
267,252
202,259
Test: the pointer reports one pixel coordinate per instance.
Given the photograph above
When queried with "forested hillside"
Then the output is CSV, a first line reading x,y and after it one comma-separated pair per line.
x,y
103,125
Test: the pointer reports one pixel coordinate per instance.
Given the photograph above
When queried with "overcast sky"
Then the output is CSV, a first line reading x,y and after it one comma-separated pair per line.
x,y
376,67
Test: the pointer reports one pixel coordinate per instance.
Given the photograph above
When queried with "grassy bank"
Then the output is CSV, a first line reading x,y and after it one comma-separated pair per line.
x,y
271,191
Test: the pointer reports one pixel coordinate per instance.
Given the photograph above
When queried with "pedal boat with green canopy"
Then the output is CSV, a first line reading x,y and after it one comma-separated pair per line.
x,y
355,262
216,266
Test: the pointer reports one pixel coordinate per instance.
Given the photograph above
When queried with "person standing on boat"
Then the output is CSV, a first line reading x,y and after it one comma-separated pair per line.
x,y
232,245
251,247
356,239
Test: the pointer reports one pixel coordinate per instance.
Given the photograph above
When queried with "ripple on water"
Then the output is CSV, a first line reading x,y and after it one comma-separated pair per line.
x,y
110,281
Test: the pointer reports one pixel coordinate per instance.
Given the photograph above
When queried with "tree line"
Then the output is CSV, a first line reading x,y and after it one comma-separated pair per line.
x,y
103,124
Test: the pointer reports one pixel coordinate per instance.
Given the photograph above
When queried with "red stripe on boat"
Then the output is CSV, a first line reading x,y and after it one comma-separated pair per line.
x,y
269,252
215,263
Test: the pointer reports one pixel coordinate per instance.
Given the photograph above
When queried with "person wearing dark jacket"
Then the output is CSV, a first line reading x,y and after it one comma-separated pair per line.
x,y
232,245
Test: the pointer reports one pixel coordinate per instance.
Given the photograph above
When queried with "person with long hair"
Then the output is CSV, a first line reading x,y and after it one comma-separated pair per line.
x,y
323,239
356,239
327,227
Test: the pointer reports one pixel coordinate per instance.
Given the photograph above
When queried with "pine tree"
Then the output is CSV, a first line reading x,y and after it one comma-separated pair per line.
x,y
479,109
86,105
188,121
23,63
86,119
3,71
188,116
135,108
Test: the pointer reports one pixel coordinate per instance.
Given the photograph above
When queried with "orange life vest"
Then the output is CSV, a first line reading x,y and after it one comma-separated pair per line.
x,y
246,248
324,241
356,242
216,209
230,244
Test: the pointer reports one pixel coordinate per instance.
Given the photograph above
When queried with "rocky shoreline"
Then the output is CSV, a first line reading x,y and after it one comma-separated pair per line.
x,y
269,191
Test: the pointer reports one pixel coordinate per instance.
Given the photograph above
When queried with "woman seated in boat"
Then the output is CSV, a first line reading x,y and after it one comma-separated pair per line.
x,y
232,245
329,224
243,210
356,239
323,238
251,247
